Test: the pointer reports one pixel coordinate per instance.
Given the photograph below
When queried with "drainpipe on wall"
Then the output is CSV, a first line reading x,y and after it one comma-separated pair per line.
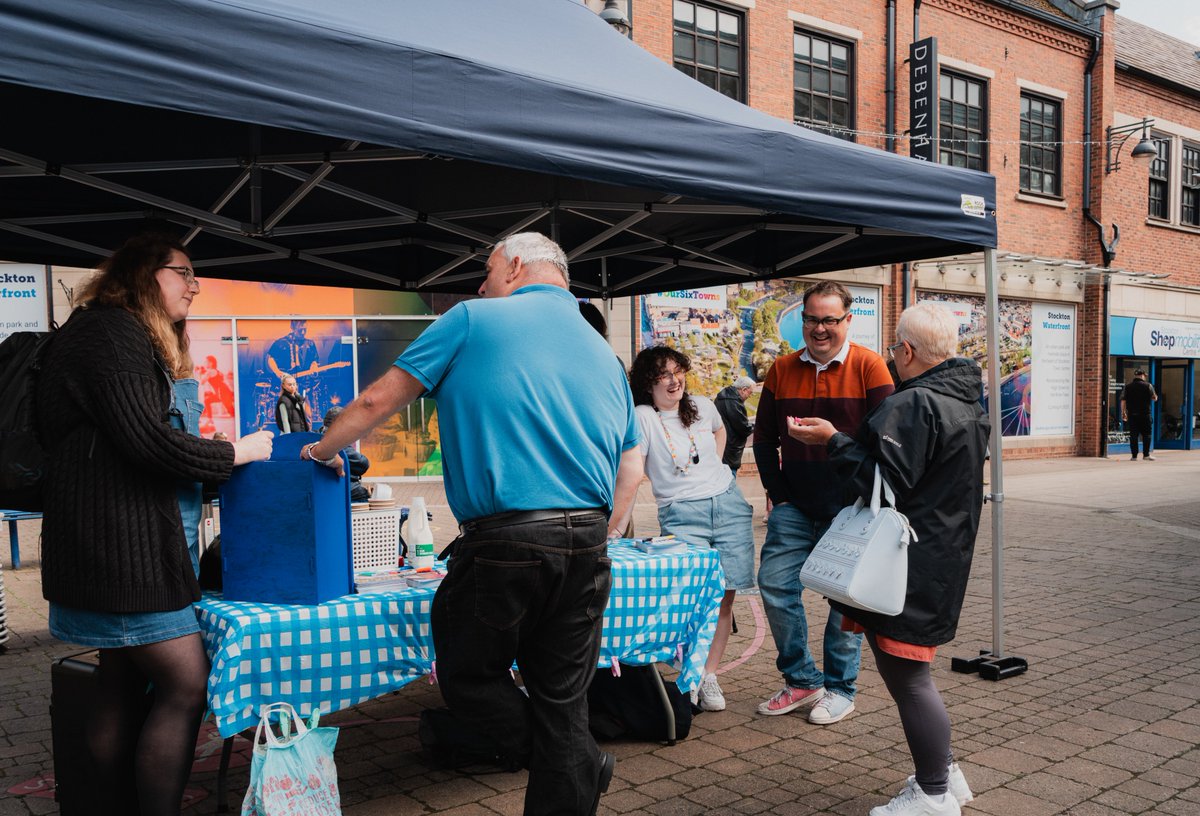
x,y
1107,250
889,88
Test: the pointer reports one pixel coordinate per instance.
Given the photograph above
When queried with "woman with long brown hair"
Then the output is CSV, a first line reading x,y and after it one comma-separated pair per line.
x,y
119,412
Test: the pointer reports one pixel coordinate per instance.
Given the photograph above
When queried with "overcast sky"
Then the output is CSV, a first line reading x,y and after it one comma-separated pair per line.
x,y
1179,18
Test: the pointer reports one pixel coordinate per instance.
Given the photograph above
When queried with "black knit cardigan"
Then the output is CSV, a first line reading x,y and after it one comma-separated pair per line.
x,y
112,535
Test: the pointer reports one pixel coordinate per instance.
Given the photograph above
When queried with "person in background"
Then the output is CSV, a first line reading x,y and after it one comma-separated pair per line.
x,y
841,381
595,318
534,462
731,404
294,353
218,391
291,414
1137,402
221,436
699,501
359,463
929,440
119,411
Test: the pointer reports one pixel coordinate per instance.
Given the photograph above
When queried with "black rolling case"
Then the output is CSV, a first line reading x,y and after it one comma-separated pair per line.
x,y
72,687
72,692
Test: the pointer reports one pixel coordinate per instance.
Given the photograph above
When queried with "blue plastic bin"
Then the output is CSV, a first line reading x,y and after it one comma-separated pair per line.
x,y
285,529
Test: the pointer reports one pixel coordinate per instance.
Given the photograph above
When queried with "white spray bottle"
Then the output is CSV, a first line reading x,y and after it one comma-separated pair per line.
x,y
420,536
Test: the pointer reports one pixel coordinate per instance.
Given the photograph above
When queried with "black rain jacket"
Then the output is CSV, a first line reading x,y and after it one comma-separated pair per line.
x,y
930,440
738,426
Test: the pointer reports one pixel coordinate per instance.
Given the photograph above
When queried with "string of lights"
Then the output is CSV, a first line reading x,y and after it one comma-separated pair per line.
x,y
906,137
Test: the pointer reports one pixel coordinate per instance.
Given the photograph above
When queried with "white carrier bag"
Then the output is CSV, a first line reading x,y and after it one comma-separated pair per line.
x,y
862,560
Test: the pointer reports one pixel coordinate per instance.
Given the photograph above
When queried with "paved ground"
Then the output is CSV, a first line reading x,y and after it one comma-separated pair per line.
x,y
1102,596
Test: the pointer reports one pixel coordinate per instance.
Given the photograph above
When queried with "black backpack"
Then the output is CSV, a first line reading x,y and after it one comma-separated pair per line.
x,y
631,706
22,458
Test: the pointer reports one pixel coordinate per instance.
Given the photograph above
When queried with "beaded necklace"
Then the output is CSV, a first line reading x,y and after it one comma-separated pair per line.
x,y
693,450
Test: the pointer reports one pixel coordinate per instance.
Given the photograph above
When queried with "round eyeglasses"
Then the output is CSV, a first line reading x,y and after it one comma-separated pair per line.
x,y
188,274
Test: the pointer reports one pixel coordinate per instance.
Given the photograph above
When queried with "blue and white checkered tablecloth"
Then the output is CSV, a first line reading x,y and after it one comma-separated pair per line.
x,y
357,648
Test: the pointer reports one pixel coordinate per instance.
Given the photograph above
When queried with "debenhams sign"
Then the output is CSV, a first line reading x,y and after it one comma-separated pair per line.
x,y
923,99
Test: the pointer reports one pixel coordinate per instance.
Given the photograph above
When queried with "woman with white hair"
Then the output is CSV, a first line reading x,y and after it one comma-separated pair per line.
x,y
929,440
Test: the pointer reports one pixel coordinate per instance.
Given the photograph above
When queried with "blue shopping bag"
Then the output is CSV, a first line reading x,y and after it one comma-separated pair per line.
x,y
292,774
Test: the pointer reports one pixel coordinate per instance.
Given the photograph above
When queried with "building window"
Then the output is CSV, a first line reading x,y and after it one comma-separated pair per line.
x,y
708,46
962,132
1190,190
1041,148
1160,170
822,84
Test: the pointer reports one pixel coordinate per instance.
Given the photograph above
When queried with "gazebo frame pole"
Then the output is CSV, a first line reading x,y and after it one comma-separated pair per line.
x,y
994,664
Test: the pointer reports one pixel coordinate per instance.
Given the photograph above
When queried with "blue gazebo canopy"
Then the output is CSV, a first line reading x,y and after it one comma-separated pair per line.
x,y
388,143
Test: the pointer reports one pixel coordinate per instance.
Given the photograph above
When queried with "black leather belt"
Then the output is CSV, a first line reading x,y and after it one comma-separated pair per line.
x,y
529,517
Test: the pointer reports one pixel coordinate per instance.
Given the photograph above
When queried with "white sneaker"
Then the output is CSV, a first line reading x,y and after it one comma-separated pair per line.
x,y
830,708
956,785
709,694
913,801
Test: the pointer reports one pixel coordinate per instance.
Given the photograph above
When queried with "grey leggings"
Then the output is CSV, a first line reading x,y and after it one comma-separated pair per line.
x,y
922,713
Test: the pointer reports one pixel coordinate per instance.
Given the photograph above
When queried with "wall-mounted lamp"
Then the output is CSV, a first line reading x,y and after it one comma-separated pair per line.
x,y
1116,137
615,17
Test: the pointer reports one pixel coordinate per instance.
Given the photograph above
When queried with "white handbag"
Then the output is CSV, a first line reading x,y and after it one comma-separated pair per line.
x,y
862,560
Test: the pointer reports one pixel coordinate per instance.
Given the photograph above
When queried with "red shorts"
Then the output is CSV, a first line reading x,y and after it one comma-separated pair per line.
x,y
896,648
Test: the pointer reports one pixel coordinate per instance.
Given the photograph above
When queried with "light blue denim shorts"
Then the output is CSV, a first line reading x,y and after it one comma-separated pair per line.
x,y
117,630
723,522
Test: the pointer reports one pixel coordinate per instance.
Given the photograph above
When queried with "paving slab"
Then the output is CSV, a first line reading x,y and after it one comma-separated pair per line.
x,y
1101,595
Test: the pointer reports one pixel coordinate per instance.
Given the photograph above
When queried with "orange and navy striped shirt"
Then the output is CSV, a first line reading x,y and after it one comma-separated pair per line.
x,y
843,393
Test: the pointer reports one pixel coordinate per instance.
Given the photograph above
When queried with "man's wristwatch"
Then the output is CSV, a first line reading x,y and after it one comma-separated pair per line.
x,y
306,453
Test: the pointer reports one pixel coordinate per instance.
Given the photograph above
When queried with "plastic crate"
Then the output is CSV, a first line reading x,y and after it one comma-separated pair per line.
x,y
376,538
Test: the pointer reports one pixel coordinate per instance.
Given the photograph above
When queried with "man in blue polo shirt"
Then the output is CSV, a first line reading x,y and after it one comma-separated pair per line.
x,y
538,439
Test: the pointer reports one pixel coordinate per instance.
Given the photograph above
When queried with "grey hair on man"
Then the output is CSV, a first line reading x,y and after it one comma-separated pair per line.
x,y
533,247
930,330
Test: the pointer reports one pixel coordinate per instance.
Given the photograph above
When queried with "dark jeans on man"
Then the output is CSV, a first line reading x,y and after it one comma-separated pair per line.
x,y
1139,424
535,593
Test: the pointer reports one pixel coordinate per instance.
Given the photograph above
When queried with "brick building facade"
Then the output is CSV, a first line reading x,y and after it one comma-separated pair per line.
x,y
1027,91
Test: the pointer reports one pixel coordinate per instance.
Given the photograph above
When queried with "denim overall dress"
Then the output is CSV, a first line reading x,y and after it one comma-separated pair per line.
x,y
114,630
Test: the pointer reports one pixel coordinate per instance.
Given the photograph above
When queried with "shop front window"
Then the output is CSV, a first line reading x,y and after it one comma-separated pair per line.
x,y
1195,404
1173,416
1120,372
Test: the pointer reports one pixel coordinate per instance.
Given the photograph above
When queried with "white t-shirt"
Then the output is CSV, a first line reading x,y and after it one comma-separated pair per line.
x,y
681,479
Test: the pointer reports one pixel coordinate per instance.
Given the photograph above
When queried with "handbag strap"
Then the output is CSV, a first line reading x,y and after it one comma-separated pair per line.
x,y
888,494
264,724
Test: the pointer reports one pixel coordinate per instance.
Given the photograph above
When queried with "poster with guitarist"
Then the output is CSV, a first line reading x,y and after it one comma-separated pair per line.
x,y
312,351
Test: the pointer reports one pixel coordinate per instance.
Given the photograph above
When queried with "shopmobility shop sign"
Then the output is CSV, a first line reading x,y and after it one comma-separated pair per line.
x,y
1150,337
23,299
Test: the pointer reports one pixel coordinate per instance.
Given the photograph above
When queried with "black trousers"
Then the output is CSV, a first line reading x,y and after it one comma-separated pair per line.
x,y
534,593
1139,425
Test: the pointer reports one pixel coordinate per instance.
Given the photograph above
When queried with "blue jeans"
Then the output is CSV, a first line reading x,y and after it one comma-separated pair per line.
x,y
791,536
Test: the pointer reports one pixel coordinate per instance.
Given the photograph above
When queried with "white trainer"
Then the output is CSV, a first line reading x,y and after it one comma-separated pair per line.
x,y
709,695
830,709
957,785
913,801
